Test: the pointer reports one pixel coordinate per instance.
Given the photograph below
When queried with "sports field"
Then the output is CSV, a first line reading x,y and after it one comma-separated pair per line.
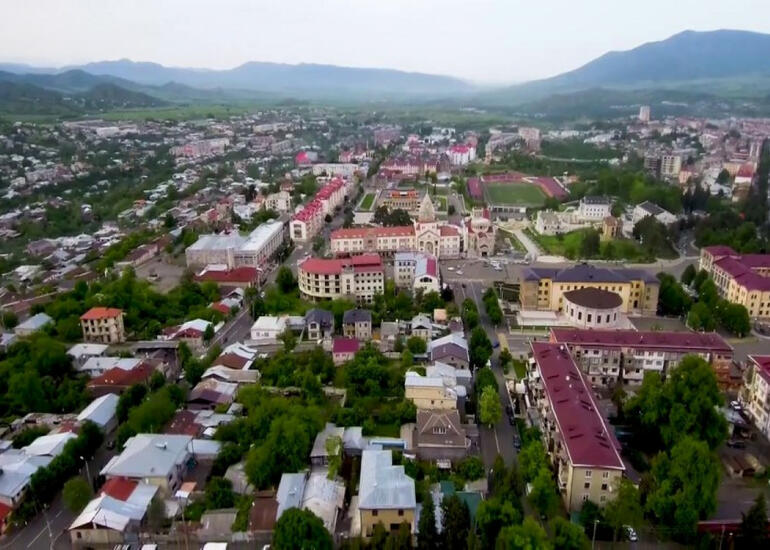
x,y
523,194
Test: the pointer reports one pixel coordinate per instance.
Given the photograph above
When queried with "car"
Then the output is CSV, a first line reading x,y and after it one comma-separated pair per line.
x,y
736,444
111,444
630,533
512,420
459,272
516,442
736,405
496,344
450,268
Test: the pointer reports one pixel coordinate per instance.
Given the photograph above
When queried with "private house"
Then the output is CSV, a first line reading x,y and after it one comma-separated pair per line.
x,y
102,412
385,493
357,323
344,349
33,324
267,329
440,435
432,392
314,492
319,324
451,349
422,327
81,353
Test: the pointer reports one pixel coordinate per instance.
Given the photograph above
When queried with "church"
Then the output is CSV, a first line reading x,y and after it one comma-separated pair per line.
x,y
474,237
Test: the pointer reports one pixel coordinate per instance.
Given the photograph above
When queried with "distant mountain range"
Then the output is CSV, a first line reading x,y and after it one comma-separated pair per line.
x,y
690,67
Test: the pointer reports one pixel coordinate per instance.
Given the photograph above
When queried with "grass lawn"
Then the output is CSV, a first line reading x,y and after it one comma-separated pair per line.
x,y
569,245
367,202
522,194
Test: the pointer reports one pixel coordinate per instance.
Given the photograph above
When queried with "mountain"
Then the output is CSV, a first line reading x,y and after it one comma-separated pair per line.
x,y
305,80
714,58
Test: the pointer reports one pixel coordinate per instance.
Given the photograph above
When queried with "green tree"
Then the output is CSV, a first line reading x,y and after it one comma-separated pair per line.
x,y
734,318
672,299
753,531
543,494
480,348
569,536
532,459
701,317
428,539
76,494
590,244
685,483
289,340
333,446
456,522
208,334
285,280
625,508
527,536
688,275
156,514
490,409
300,530
492,515
219,493
723,176
416,345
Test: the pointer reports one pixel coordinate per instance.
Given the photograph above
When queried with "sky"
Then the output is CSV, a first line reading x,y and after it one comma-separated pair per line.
x,y
485,41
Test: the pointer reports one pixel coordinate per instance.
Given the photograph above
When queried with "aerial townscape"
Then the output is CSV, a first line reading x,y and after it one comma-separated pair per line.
x,y
314,306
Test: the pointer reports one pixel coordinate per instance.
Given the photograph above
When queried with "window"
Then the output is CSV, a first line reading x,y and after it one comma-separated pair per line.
x,y
585,497
589,473
587,485
605,475
374,513
604,486
438,430
400,512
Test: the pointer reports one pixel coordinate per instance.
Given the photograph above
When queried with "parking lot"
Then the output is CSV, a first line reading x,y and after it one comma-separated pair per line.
x,y
163,272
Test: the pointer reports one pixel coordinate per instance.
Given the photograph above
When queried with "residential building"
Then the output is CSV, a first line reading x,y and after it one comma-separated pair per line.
x,y
279,202
190,332
358,277
756,392
81,353
611,228
103,325
102,412
647,208
319,324
433,392
416,271
422,327
357,323
644,114
267,329
314,492
670,166
461,154
594,209
385,494
307,222
239,277
233,250
33,324
156,459
740,278
544,288
608,357
18,467
344,349
451,349
440,435
578,439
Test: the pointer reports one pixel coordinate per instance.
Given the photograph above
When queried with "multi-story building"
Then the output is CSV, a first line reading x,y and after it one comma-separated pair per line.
x,y
740,278
201,148
481,233
416,271
278,202
670,166
404,199
432,392
544,288
460,155
385,494
358,277
756,392
344,170
234,250
306,223
594,209
608,357
644,114
580,444
103,325
357,323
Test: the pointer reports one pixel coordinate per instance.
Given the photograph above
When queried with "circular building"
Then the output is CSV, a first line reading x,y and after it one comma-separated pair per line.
x,y
592,308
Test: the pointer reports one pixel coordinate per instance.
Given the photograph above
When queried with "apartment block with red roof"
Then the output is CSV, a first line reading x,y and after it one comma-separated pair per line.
x,y
306,223
359,278
740,278
103,325
583,450
756,392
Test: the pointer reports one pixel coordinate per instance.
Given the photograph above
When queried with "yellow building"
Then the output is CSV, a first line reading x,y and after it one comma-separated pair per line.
x,y
103,325
575,433
544,288
756,392
385,495
429,392
740,278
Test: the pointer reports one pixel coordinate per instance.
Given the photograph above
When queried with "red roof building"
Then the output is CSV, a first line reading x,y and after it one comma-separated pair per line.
x,y
98,313
117,380
244,276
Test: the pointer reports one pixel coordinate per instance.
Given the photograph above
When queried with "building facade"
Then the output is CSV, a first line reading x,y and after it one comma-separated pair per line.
x,y
234,250
740,278
358,277
103,325
756,392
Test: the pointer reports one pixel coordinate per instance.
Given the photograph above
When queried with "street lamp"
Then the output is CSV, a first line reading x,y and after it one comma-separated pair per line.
x,y
593,538
88,472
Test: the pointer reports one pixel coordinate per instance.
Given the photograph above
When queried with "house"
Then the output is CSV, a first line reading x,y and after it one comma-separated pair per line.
x,y
191,332
319,455
385,493
17,467
314,492
611,227
594,209
440,435
756,392
647,208
97,366
81,353
390,333
115,516
103,325
102,412
33,324
451,349
357,323
320,324
236,356
157,459
50,445
431,392
117,380
267,329
422,327
209,393
344,349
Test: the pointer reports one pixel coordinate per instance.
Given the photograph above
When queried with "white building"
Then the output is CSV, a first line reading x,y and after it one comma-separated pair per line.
x,y
644,113
416,271
594,208
235,250
670,166
647,208
756,393
460,155
267,329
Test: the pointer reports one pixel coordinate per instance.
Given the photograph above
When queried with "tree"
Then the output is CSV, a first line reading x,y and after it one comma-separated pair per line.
x,y
734,318
208,334
688,275
289,340
492,515
568,536
416,345
470,314
701,317
285,280
456,523
672,299
543,493
156,514
723,176
527,536
219,493
625,508
451,210
480,348
76,494
753,530
300,530
589,246
428,538
407,359
490,409
333,447
685,483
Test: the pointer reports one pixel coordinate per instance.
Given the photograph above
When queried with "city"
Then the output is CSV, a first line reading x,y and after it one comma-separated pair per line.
x,y
282,322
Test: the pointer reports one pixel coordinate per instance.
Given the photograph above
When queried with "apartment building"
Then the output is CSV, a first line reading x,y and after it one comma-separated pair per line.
x,y
103,325
740,278
756,392
306,223
543,288
233,250
578,439
670,166
608,357
358,277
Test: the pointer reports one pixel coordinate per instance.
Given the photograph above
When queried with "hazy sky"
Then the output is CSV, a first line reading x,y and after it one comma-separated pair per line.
x,y
481,40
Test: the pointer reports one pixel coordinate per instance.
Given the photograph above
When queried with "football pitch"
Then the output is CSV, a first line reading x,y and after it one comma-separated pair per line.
x,y
524,194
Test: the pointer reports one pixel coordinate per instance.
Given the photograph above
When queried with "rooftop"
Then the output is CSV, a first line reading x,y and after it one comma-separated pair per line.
x,y
96,313
383,485
594,298
695,341
149,455
324,266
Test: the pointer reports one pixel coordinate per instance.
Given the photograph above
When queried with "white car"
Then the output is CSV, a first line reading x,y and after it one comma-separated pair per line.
x,y
450,268
459,272
736,405
631,533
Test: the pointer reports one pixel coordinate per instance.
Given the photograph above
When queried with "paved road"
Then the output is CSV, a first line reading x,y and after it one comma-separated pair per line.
x,y
236,330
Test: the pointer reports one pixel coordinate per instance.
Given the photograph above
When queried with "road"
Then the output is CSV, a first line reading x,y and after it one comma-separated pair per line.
x,y
236,330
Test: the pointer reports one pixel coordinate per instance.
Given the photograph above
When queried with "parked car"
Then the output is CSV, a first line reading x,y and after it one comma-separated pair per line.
x,y
516,442
631,533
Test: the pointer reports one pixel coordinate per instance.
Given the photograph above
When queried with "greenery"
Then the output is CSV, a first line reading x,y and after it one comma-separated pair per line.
x,y
152,414
576,149
480,348
586,244
28,435
492,306
456,522
753,531
523,194
300,530
76,494
387,218
490,409
655,238
625,508
428,538
367,201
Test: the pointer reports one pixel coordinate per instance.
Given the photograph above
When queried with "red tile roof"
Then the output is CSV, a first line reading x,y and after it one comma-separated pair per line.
x,y
372,232
684,341
743,274
122,378
323,266
762,366
119,488
345,345
585,433
101,313
238,275
4,512
448,231
184,423
720,250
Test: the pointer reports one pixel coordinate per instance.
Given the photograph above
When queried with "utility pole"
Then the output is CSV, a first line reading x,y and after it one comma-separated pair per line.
x,y
593,538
